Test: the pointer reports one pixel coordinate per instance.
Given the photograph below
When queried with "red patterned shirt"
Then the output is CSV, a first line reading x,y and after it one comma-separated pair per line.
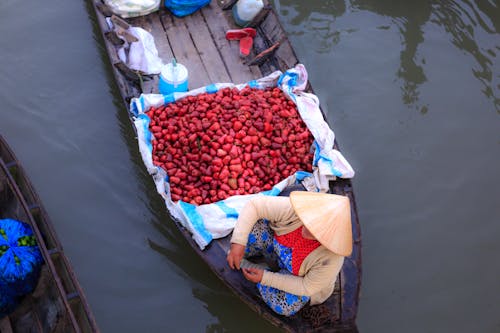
x,y
301,247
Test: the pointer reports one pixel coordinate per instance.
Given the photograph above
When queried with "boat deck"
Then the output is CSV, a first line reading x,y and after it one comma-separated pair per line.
x,y
199,42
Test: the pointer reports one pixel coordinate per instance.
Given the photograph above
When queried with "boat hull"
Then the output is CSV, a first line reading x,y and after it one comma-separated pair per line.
x,y
58,303
198,42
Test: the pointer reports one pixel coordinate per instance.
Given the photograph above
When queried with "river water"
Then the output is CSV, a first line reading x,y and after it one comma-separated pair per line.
x,y
412,91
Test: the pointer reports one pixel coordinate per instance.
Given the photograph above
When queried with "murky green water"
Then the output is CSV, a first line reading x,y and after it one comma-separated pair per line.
x,y
412,90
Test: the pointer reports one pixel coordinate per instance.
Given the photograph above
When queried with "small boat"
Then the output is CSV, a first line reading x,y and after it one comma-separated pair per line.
x,y
57,304
199,42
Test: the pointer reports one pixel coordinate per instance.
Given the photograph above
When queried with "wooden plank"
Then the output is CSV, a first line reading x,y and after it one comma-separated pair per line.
x,y
218,24
349,279
153,24
150,86
264,55
226,4
5,326
285,56
184,50
256,21
210,56
128,90
272,28
261,44
254,69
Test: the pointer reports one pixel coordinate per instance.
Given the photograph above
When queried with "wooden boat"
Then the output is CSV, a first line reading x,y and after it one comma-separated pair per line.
x,y
57,304
198,41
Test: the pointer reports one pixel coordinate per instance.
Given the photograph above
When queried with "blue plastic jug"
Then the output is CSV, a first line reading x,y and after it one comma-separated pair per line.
x,y
173,78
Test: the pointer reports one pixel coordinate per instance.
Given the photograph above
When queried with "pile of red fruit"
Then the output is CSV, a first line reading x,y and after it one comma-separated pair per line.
x,y
231,142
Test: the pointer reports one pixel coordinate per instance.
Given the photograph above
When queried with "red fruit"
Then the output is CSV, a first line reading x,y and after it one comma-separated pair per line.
x,y
234,152
206,158
237,125
252,131
217,162
237,160
247,140
236,168
224,174
206,179
240,134
221,153
214,127
233,183
175,180
227,143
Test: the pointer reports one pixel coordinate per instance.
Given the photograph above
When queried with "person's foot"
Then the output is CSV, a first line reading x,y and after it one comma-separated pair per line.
x,y
238,34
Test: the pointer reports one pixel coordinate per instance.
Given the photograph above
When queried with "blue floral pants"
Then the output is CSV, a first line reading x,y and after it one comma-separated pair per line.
x,y
261,241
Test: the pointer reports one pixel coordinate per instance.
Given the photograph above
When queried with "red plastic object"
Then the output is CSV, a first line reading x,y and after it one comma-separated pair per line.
x,y
246,44
238,34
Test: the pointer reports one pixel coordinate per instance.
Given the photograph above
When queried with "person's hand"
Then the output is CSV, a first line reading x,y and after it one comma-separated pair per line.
x,y
235,255
253,274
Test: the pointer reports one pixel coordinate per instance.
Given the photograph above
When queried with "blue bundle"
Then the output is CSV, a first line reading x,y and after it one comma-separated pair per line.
x,y
182,8
8,302
20,263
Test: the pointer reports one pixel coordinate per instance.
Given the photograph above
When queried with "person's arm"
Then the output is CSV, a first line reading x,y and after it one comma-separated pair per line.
x,y
277,210
318,277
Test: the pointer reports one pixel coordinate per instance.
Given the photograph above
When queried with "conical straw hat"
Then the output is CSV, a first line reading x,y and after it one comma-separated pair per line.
x,y
327,217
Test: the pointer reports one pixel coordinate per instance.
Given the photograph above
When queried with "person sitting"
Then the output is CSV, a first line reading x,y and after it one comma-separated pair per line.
x,y
308,233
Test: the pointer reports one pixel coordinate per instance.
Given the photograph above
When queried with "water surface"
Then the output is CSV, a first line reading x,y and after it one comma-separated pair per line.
x,y
412,91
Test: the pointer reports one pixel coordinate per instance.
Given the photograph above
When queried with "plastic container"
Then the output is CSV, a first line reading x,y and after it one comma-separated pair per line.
x,y
244,11
173,78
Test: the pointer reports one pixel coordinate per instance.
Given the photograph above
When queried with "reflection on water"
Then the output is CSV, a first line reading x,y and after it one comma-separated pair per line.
x,y
409,18
373,61
314,16
221,303
473,29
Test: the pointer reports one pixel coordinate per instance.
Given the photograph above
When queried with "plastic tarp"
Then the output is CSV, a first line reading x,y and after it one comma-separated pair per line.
x,y
132,8
20,263
182,8
216,220
141,55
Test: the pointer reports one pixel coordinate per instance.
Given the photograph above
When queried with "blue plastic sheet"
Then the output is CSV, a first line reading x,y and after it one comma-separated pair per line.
x,y
20,263
182,8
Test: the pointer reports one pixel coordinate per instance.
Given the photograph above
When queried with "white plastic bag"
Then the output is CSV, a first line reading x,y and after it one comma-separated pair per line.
x,y
141,55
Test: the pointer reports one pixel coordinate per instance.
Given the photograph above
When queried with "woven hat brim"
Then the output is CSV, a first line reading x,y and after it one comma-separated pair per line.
x,y
327,217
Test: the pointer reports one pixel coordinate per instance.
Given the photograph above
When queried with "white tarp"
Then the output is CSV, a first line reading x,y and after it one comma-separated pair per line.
x,y
133,8
216,220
